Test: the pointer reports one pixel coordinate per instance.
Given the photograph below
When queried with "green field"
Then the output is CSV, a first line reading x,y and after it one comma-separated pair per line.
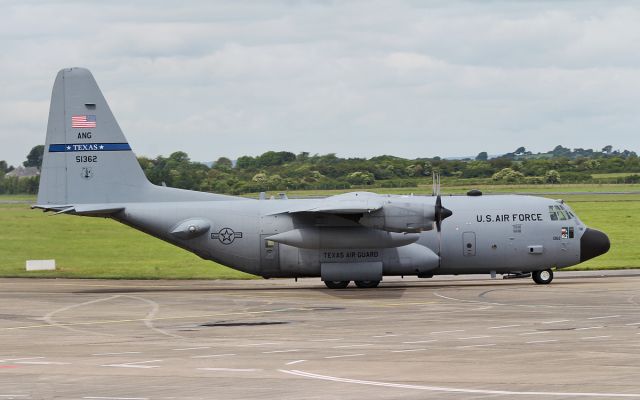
x,y
102,248
613,175
93,248
423,189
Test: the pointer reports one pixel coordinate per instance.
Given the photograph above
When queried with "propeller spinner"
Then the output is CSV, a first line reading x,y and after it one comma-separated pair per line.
x,y
441,213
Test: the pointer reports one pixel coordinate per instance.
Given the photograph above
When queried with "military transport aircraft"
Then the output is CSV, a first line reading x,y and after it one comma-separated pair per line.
x,y
89,169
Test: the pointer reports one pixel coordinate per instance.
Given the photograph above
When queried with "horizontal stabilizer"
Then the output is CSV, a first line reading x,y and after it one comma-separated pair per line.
x,y
82,209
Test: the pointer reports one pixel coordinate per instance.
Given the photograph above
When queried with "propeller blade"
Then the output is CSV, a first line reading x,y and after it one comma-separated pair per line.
x,y
441,213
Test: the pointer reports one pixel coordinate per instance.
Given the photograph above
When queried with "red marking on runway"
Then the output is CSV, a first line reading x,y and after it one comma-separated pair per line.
x,y
8,366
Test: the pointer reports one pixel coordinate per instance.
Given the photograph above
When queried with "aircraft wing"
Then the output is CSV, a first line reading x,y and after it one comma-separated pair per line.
x,y
404,214
352,207
348,203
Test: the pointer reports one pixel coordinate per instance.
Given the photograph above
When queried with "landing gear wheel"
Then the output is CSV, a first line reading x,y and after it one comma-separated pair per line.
x,y
337,284
367,284
543,277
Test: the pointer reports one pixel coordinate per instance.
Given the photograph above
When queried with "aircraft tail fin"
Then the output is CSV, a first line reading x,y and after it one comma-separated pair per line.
x,y
86,157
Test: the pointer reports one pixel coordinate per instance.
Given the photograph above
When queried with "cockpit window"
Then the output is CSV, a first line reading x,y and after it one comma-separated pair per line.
x,y
552,214
558,213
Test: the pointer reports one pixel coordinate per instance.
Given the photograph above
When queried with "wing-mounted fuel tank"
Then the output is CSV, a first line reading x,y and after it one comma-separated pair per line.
x,y
343,237
405,214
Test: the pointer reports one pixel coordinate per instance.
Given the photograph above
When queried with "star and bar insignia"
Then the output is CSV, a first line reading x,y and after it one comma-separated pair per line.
x,y
226,235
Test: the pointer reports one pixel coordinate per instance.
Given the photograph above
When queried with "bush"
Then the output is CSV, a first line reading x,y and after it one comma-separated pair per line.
x,y
360,178
508,175
552,176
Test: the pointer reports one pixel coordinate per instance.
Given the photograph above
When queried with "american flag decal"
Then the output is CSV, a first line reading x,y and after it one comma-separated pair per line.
x,y
83,121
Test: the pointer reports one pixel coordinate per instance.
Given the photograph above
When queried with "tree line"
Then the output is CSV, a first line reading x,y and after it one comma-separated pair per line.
x,y
282,170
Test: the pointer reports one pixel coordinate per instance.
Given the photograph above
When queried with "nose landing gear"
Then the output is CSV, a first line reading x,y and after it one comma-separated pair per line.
x,y
543,277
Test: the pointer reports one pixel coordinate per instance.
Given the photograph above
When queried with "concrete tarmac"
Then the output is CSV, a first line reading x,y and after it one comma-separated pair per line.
x,y
444,338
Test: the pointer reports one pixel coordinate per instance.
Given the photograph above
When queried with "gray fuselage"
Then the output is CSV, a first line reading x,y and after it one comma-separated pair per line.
x,y
485,233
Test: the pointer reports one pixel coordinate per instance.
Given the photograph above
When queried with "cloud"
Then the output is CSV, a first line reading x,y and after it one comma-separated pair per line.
x,y
355,78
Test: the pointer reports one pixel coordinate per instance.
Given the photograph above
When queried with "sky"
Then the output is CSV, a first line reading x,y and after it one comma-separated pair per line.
x,y
355,78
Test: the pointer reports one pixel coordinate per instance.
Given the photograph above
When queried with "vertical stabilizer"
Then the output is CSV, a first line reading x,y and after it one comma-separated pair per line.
x,y
86,158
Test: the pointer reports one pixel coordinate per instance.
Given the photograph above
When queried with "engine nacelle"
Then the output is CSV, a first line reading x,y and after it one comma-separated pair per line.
x,y
402,215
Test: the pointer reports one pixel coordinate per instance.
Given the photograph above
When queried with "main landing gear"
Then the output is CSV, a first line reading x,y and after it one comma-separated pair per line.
x,y
344,284
543,277
337,284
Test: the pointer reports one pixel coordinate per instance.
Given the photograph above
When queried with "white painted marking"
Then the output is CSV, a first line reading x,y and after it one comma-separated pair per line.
x,y
456,330
542,341
214,355
13,396
18,359
476,345
280,351
42,363
353,345
192,348
230,369
345,355
534,333
115,398
327,340
295,362
258,344
635,323
407,351
594,337
606,316
589,327
134,364
116,354
148,319
421,341
474,337
556,321
504,326
383,336
450,390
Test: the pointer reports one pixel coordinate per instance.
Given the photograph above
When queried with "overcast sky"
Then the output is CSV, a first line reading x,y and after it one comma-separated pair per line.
x,y
356,78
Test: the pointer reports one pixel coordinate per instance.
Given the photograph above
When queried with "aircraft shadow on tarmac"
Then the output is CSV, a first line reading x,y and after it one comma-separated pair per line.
x,y
390,290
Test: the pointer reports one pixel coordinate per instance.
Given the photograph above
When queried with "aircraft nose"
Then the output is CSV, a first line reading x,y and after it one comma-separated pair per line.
x,y
592,244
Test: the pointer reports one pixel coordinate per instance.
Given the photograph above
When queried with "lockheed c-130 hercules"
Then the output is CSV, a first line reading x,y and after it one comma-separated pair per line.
x,y
89,169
